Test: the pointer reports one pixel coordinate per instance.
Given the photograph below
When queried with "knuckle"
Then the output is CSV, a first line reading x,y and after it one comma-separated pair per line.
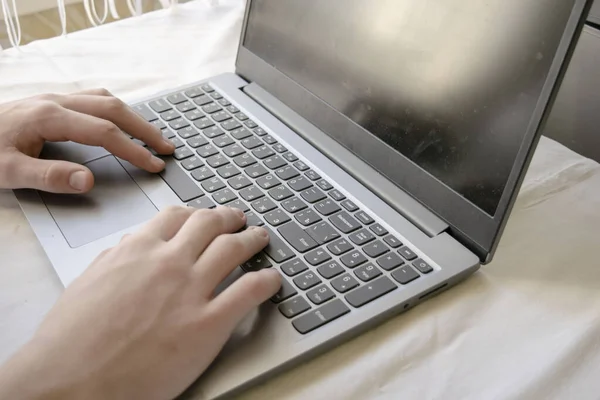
x,y
102,92
114,105
109,129
45,108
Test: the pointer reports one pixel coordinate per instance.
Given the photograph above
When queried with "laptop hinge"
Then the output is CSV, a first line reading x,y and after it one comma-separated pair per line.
x,y
395,197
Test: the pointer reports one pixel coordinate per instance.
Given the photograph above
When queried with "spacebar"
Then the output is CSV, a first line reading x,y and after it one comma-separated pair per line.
x,y
183,186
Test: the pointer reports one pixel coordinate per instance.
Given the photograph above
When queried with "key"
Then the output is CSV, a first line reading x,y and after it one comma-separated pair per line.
x,y
211,108
216,96
256,171
274,162
186,106
244,160
233,109
422,266
371,291
224,102
262,152
202,174
344,222
241,116
278,147
228,171
212,132
207,88
337,195
390,261
242,133
252,219
323,233
220,116
230,125
212,185
224,196
193,92
312,175
197,141
340,246
178,123
159,106
285,292
364,217
407,253
182,153
202,100
321,316
169,115
353,259
344,283
293,205
299,184
176,98
293,307
277,249
317,256
367,272
250,124
192,163
251,142
203,123
167,133
290,157
251,193
300,166
405,275
327,207
145,112
194,115
280,193
378,229
320,294
206,151
187,132
307,280
375,249
312,195
330,269
260,132
349,206
293,267
256,263
297,237
361,237
269,139
276,217
267,182
324,185
240,205
239,182
139,142
392,241
177,143
179,181
307,217
263,205
223,141
159,124
287,172
202,202
217,160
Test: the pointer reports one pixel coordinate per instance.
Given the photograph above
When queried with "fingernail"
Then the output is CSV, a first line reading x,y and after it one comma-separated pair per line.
x,y
157,162
240,213
169,143
77,180
262,232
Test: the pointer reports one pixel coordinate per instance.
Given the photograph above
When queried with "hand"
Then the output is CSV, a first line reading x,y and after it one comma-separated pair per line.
x,y
92,117
142,321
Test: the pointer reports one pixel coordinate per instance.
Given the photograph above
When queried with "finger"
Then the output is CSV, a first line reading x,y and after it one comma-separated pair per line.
x,y
95,92
112,109
51,176
243,296
226,252
168,222
203,226
68,125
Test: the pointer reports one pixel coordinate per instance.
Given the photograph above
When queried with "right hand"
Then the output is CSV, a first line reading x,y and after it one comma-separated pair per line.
x,y
143,320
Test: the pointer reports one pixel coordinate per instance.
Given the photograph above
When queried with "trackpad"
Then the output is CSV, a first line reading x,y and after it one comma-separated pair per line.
x,y
115,203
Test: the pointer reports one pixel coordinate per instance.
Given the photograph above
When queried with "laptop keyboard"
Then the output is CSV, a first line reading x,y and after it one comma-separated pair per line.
x,y
334,256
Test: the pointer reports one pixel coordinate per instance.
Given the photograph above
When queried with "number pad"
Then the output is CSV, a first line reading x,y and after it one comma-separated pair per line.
x,y
307,280
320,294
344,283
293,307
367,272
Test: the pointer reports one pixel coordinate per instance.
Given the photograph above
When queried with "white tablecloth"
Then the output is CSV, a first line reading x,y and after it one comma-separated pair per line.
x,y
525,326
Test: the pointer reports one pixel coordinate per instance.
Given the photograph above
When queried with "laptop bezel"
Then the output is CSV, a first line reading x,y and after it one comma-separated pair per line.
x,y
476,229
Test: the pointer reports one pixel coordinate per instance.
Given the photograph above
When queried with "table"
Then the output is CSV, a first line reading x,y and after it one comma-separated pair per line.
x,y
525,326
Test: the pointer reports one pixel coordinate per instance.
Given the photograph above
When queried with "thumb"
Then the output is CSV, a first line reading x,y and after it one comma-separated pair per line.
x,y
52,175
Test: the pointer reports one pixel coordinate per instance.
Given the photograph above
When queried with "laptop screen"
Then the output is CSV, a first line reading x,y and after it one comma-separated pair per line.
x,y
449,84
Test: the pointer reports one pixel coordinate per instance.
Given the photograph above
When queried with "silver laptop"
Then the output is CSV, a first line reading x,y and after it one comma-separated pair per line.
x,y
381,143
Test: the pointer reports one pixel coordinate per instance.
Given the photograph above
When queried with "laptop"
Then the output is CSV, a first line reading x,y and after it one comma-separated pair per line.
x,y
381,143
